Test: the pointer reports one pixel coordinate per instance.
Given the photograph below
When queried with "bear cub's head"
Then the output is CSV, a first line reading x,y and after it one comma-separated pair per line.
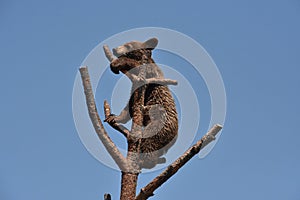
x,y
132,55
132,46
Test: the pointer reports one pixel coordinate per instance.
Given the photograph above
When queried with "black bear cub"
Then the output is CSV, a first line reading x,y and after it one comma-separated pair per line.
x,y
160,122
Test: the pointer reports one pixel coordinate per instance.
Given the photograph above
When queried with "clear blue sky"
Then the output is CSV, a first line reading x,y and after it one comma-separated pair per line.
x,y
255,44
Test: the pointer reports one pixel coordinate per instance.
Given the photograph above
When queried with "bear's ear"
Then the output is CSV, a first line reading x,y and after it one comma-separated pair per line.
x,y
151,43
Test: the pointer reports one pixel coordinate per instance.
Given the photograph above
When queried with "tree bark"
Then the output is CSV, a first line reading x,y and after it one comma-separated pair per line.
x,y
129,179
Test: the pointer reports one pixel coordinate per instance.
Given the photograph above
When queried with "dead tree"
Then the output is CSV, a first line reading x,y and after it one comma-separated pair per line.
x,y
128,165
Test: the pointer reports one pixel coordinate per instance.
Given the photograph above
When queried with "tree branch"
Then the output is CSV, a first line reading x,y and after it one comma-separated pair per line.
x,y
161,81
119,127
141,81
129,179
98,126
108,53
148,190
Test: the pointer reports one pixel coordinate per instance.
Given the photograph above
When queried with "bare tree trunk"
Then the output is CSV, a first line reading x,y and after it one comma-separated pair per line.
x,y
130,175
128,186
129,179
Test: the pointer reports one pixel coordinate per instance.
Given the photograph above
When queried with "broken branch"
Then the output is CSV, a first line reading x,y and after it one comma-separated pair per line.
x,y
122,129
108,53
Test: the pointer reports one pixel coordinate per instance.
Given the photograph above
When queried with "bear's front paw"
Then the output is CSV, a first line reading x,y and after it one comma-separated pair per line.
x,y
110,119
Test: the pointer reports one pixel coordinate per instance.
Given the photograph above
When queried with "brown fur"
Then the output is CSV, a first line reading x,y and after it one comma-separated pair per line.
x,y
160,117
